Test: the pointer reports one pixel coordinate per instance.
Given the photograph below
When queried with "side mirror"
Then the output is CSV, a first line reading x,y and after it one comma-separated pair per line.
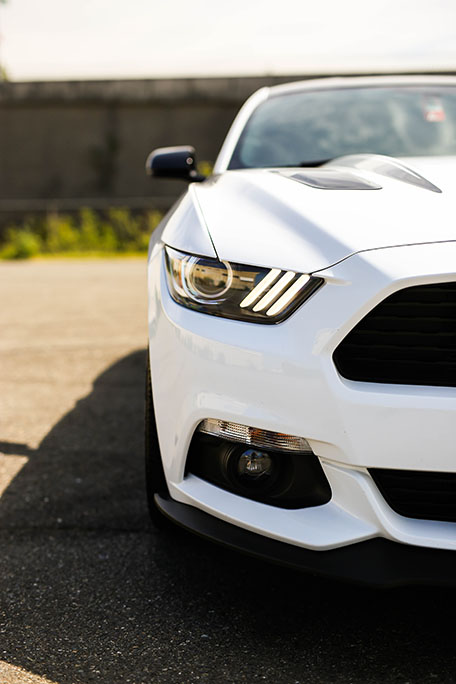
x,y
173,162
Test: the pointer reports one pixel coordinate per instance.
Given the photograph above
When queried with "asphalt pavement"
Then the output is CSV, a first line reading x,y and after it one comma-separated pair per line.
x,y
89,591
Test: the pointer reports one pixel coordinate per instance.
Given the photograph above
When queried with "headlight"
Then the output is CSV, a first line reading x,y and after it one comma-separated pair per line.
x,y
245,293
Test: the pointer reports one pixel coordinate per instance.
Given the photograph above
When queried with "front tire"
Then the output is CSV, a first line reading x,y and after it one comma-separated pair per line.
x,y
155,476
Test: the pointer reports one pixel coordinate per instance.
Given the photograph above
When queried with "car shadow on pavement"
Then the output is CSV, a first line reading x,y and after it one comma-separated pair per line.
x,y
87,472
90,592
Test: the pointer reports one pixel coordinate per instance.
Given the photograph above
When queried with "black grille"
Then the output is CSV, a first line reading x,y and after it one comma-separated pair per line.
x,y
409,338
417,494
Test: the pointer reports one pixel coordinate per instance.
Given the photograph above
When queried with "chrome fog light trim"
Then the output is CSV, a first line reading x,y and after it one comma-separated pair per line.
x,y
264,439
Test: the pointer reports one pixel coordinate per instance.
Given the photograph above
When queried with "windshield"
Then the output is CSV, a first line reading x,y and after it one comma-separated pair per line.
x,y
313,126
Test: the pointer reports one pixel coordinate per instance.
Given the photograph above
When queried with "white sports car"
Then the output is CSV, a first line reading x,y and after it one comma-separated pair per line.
x,y
302,329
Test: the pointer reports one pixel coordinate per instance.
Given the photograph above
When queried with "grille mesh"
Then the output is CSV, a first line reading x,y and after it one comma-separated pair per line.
x,y
409,338
417,494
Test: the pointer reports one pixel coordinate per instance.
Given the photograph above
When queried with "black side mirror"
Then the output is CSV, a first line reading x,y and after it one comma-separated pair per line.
x,y
173,162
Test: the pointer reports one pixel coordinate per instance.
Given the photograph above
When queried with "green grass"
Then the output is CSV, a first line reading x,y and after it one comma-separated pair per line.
x,y
91,255
116,232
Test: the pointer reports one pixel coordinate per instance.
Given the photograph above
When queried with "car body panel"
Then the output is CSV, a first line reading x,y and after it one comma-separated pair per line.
x,y
264,218
185,228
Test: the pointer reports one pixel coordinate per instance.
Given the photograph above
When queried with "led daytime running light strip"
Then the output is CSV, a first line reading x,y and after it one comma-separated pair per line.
x,y
274,291
261,287
262,297
288,296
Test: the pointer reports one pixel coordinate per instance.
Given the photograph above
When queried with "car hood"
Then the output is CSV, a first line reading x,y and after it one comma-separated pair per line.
x,y
309,219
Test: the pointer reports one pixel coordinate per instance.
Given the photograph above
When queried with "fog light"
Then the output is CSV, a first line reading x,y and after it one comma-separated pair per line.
x,y
282,478
263,439
254,464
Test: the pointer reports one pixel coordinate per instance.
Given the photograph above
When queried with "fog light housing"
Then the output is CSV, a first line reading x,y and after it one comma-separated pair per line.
x,y
286,477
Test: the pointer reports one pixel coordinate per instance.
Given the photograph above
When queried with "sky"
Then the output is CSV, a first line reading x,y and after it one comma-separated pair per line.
x,y
90,39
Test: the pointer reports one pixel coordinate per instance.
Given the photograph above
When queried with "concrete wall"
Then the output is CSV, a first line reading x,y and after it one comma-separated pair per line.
x,y
67,144
63,144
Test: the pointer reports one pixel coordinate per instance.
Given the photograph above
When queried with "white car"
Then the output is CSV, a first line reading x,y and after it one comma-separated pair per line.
x,y
302,330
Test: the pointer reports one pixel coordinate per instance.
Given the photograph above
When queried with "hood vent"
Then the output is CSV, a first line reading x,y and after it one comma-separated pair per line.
x,y
389,167
332,179
341,173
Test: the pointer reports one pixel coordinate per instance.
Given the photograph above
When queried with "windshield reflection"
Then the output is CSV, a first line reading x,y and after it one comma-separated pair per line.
x,y
294,128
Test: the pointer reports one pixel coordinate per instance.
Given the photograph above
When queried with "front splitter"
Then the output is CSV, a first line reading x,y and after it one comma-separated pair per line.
x,y
377,562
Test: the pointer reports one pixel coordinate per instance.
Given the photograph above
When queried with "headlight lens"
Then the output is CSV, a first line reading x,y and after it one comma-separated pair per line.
x,y
245,293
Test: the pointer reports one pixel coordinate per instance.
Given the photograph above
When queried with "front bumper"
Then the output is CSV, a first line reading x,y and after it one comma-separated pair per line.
x,y
282,378
376,563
